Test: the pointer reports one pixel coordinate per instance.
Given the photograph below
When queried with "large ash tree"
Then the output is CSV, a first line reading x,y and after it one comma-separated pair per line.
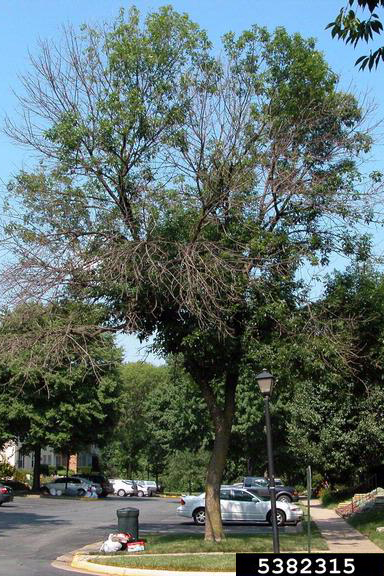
x,y
176,188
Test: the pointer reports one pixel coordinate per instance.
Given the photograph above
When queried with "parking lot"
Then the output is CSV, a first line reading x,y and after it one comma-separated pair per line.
x,y
34,531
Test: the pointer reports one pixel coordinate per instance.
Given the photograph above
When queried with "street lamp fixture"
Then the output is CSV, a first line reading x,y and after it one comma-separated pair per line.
x,y
266,381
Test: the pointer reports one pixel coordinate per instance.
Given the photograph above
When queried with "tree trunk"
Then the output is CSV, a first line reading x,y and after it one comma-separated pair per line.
x,y
36,469
213,523
222,418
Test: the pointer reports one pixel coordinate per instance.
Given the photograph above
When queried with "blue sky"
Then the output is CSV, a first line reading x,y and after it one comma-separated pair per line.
x,y
23,22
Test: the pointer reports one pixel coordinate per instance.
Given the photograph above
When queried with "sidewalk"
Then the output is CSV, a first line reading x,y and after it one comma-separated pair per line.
x,y
340,536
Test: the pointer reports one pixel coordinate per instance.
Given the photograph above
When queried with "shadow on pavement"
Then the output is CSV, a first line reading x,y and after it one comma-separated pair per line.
x,y
18,520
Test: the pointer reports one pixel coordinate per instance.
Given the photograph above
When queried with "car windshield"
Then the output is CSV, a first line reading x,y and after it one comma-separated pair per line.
x,y
260,482
263,498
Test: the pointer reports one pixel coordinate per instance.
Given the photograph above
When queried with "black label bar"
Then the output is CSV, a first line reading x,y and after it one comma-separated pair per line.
x,y
302,564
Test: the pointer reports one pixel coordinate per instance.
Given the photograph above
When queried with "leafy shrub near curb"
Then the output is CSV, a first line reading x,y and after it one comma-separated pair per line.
x,y
330,498
6,470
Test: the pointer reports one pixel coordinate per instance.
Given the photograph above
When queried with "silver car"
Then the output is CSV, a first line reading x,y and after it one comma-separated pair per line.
x,y
71,486
239,505
146,487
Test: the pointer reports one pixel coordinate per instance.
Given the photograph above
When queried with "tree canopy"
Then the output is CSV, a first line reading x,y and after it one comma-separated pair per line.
x,y
351,29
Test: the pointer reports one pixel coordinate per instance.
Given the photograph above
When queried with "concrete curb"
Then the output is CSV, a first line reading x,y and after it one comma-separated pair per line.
x,y
77,561
80,561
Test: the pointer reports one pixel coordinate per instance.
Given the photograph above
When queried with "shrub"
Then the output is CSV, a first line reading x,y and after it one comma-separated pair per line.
x,y
318,483
6,470
301,488
326,496
46,479
22,475
330,496
84,470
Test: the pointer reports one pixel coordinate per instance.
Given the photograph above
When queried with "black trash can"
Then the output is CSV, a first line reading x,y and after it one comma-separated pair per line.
x,y
128,521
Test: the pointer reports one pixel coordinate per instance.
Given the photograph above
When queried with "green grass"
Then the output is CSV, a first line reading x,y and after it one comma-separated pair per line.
x,y
193,545
197,562
367,522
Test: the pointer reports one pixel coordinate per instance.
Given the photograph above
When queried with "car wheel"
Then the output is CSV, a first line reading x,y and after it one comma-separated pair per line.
x,y
280,517
284,498
140,493
44,490
199,516
121,492
1,503
81,492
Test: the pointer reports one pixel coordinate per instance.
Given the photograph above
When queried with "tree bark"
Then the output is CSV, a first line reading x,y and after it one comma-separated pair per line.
x,y
213,523
222,419
36,469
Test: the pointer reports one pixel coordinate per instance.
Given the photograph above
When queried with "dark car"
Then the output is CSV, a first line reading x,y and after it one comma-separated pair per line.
x,y
16,486
106,486
6,494
260,487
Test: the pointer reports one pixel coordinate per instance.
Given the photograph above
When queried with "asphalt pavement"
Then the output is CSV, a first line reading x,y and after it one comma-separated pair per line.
x,y
35,531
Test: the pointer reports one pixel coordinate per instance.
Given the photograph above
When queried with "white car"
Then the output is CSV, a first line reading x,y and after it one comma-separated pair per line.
x,y
71,486
146,487
239,505
124,487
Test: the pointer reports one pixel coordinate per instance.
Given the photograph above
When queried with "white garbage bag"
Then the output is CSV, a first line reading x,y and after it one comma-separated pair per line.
x,y
91,492
111,545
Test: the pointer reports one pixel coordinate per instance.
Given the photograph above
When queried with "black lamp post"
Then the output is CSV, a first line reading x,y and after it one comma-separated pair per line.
x,y
266,381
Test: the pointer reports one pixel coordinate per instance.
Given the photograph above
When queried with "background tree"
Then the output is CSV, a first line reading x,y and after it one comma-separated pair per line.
x,y
352,30
185,471
161,414
177,421
337,423
68,405
124,451
177,189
